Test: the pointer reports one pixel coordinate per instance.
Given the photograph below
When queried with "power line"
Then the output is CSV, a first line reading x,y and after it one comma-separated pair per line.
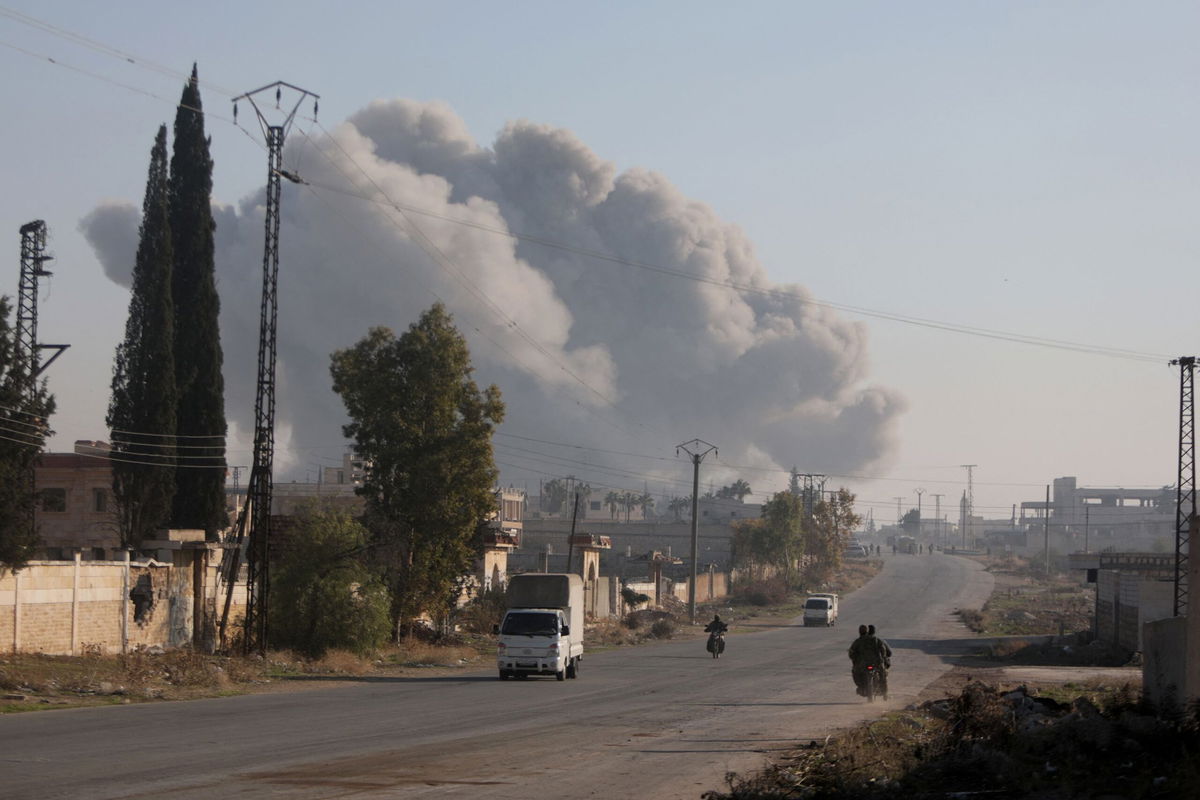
x,y
599,255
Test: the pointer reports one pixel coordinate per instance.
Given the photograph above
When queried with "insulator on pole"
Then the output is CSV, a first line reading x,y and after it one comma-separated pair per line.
x,y
235,113
315,109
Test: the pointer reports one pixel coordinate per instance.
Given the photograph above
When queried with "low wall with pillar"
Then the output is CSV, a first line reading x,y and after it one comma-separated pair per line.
x,y
61,607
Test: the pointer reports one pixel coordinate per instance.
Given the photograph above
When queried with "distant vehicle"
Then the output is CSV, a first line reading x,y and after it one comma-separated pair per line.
x,y
821,609
542,631
906,544
855,551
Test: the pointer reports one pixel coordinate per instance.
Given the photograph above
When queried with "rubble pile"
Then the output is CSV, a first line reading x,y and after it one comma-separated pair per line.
x,y
1001,743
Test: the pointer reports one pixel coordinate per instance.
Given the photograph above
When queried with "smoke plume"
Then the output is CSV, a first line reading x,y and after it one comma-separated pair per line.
x,y
586,350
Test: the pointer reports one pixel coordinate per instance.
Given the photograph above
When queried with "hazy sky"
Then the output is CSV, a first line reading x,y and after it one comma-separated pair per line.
x,y
1021,167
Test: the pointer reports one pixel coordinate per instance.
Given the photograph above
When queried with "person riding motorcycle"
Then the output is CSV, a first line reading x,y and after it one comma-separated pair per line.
x,y
867,651
884,650
716,631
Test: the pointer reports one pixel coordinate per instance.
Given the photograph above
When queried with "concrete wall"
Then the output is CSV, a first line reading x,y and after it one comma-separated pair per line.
x,y
1164,675
59,607
1125,602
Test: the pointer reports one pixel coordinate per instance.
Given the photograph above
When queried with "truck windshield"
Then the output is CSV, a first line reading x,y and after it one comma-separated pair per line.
x,y
817,604
530,625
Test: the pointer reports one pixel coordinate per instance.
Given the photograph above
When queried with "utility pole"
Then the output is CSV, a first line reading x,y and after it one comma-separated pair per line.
x,y
970,468
937,513
919,493
898,501
1087,519
26,346
257,511
33,260
1185,487
1046,529
696,449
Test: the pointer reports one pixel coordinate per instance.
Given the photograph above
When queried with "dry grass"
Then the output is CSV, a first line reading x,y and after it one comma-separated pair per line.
x,y
33,680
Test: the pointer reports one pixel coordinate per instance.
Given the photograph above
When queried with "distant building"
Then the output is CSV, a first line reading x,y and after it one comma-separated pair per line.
x,y
75,509
501,535
723,509
1099,518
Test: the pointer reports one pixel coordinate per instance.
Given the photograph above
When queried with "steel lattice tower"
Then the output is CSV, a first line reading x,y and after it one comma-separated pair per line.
x,y
33,261
258,495
1185,488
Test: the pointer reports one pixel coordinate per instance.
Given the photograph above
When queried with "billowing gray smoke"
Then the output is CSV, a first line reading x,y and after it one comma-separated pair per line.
x,y
586,351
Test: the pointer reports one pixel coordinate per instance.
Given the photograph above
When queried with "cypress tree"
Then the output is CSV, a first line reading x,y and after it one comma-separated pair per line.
x,y
23,415
200,414
141,412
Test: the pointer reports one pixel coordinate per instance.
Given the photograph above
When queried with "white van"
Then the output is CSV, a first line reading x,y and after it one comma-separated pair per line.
x,y
821,609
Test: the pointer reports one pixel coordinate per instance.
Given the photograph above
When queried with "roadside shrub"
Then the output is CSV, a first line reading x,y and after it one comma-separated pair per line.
x,y
972,618
663,629
323,597
769,592
634,599
484,611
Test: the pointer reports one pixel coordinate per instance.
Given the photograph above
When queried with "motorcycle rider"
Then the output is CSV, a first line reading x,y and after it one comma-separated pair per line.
x,y
885,651
867,651
858,655
715,629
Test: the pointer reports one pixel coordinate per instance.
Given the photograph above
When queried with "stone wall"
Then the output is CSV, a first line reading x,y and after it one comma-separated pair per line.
x,y
61,607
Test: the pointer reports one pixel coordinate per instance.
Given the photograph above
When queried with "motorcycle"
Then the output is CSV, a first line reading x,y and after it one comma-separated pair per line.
x,y
876,683
716,643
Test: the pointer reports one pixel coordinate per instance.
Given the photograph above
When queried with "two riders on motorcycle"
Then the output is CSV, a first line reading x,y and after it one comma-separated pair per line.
x,y
869,651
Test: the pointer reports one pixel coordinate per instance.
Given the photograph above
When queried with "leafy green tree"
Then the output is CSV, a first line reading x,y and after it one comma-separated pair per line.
x,y
554,495
911,522
200,388
425,429
323,596
628,501
775,540
783,542
584,492
828,532
141,411
678,505
24,411
737,490
613,501
645,501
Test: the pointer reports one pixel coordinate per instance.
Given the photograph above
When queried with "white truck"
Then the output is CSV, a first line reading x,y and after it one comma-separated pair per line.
x,y
821,609
542,631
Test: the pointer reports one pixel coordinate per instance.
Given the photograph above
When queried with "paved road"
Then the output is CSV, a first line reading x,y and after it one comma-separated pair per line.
x,y
662,721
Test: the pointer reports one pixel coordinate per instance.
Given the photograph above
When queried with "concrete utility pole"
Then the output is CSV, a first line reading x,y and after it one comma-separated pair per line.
x,y
1046,529
898,501
970,468
1087,521
696,449
919,493
937,513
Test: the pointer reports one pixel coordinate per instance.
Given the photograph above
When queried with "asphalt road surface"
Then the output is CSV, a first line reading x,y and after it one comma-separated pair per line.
x,y
661,721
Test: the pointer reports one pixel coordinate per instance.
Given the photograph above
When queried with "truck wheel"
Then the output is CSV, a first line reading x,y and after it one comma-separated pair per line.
x,y
503,674
573,668
560,675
